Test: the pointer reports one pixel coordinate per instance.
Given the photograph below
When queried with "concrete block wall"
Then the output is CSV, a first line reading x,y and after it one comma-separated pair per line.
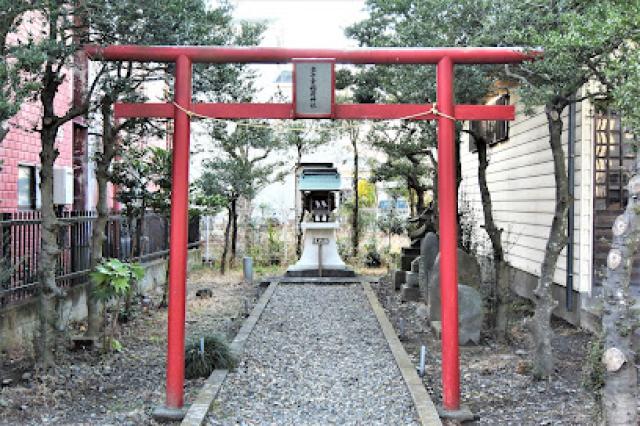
x,y
523,284
19,322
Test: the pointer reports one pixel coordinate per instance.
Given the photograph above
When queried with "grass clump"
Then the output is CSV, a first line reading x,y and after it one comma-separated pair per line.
x,y
217,355
593,370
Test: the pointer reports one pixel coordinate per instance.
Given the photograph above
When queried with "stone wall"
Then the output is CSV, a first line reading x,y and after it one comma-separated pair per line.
x,y
18,322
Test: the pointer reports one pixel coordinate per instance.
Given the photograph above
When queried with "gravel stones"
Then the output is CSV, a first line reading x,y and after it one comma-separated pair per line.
x,y
316,356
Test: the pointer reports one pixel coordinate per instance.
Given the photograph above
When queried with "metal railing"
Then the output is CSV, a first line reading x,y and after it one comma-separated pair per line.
x,y
20,248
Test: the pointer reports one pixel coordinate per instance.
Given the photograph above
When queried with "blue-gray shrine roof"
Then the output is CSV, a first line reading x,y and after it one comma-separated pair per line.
x,y
319,180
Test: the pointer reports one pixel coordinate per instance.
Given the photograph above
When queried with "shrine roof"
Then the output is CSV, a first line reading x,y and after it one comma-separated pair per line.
x,y
319,180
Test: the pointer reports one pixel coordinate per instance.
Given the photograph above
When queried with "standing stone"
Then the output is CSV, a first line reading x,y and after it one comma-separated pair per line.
x,y
415,265
407,256
410,292
412,279
470,315
398,279
429,247
468,273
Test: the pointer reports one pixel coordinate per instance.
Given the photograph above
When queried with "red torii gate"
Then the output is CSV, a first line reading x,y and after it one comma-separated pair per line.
x,y
445,111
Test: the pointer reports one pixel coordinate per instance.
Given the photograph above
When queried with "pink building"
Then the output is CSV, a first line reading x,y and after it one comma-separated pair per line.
x,y
20,154
20,150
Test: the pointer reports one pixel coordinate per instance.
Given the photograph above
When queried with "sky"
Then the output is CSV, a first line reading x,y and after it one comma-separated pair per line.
x,y
303,23
299,23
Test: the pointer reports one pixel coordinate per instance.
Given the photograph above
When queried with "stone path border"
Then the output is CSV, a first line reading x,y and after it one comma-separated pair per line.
x,y
198,411
424,406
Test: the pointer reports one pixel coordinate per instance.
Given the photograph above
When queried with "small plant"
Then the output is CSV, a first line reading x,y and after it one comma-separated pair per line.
x,y
205,355
113,282
372,257
343,248
593,370
275,246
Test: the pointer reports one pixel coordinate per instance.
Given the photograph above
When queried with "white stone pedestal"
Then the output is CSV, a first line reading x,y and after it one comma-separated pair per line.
x,y
330,258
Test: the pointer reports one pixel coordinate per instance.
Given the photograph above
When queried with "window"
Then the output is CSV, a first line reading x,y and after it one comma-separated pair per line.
x,y
492,131
501,128
613,157
27,187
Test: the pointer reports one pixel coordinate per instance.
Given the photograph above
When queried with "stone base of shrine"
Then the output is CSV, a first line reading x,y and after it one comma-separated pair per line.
x,y
320,256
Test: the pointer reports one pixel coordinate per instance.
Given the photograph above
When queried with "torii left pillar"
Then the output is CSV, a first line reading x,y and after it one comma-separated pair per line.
x,y
174,407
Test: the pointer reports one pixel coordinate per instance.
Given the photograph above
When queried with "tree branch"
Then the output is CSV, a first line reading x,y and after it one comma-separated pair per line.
x,y
518,77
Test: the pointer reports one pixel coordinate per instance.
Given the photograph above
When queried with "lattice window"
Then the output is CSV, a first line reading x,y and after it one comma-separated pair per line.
x,y
613,158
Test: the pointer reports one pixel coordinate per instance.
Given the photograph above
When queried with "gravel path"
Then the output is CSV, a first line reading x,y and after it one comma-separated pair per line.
x,y
316,356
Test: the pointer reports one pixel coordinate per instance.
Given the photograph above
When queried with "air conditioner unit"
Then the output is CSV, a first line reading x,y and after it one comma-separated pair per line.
x,y
62,185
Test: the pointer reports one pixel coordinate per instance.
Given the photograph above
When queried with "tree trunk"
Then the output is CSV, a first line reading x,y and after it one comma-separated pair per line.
x,y
4,130
98,232
49,249
419,200
355,226
164,303
540,324
412,204
136,253
246,218
299,231
620,393
223,258
434,203
501,292
140,232
234,232
132,222
414,183
301,216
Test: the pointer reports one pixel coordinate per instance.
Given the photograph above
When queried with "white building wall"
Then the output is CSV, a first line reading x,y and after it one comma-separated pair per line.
x,y
521,182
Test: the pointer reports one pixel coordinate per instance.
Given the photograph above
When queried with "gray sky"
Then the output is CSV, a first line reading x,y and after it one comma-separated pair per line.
x,y
300,24
303,23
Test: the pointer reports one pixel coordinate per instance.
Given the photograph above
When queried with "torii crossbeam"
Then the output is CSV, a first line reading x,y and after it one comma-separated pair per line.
x,y
444,111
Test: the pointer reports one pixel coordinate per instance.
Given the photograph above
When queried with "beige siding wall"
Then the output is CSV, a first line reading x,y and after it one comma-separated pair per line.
x,y
521,182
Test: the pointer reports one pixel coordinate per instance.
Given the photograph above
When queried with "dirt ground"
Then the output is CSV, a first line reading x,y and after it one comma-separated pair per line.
x,y
90,387
495,380
123,388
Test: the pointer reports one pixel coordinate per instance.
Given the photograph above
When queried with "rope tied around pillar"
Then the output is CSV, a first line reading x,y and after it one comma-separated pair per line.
x,y
434,110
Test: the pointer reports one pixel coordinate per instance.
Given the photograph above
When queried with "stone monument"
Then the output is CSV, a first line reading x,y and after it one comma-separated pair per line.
x,y
470,303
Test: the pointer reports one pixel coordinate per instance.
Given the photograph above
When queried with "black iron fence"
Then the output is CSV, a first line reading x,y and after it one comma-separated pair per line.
x,y
20,247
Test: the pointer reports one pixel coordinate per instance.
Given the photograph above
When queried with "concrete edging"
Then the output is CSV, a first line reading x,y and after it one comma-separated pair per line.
x,y
427,411
198,410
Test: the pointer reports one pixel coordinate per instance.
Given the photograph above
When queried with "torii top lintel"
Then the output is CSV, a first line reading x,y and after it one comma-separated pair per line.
x,y
278,55
275,55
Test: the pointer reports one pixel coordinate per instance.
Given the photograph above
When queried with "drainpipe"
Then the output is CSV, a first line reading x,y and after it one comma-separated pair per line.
x,y
571,140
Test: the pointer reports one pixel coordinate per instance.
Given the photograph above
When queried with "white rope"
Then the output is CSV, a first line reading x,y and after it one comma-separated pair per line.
x,y
192,114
